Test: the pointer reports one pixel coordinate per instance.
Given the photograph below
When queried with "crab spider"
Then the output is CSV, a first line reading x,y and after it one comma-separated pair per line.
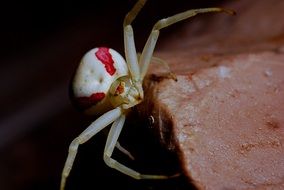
x,y
105,83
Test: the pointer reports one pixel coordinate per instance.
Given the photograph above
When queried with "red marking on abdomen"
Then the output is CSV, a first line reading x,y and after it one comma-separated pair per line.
x,y
105,57
85,102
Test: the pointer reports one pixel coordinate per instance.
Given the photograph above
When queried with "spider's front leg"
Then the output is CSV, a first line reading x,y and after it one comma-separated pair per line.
x,y
149,47
129,45
135,90
93,129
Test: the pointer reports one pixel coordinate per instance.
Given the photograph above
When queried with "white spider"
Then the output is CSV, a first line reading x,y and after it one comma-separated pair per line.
x,y
106,84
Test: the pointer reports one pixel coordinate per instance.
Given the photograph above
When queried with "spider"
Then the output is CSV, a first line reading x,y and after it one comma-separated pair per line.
x,y
104,83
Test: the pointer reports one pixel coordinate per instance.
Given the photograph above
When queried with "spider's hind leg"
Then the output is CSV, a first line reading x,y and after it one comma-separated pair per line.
x,y
109,148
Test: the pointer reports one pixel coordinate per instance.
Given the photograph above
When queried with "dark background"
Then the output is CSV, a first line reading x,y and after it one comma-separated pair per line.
x,y
41,44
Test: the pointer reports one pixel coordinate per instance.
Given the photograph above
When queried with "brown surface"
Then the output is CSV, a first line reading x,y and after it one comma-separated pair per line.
x,y
226,121
225,114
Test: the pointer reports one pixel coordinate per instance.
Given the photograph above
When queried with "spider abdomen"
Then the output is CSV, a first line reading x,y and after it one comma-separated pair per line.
x,y
98,69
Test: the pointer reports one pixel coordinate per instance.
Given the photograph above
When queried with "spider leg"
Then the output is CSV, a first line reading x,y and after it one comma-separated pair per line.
x,y
110,145
124,151
169,74
148,49
131,15
129,44
130,53
93,129
156,60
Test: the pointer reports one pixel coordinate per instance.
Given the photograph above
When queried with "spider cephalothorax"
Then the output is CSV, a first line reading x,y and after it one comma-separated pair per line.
x,y
105,83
